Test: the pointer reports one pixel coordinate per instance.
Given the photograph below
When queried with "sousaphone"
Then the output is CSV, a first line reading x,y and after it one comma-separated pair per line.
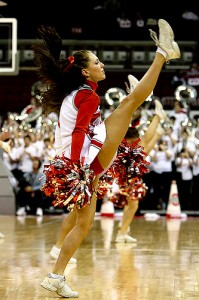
x,y
185,94
30,114
114,96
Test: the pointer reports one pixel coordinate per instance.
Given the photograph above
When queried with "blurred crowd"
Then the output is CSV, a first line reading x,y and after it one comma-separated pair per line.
x,y
31,147
175,156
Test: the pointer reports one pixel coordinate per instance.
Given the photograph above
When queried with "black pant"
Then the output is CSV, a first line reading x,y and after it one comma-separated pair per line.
x,y
32,199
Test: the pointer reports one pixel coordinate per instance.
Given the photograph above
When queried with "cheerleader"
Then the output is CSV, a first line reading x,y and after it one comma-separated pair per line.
x,y
129,188
85,145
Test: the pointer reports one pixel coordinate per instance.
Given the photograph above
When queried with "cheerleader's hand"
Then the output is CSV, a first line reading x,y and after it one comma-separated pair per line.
x,y
5,135
5,146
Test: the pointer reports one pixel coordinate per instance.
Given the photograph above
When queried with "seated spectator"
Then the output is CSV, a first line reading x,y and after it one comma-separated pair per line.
x,y
30,197
191,76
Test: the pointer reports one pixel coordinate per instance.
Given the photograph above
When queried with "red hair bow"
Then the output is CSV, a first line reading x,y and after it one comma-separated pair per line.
x,y
71,61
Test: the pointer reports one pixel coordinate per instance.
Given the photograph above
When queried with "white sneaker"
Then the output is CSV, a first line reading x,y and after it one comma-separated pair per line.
x,y
120,226
159,111
54,253
166,40
21,211
39,212
59,286
125,238
133,82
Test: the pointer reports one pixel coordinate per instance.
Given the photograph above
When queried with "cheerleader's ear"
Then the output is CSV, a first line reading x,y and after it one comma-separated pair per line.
x,y
85,73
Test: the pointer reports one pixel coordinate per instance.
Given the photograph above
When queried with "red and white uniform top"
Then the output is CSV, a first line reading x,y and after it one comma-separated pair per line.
x,y
80,132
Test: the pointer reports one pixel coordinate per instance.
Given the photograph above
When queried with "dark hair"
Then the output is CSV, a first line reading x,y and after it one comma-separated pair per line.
x,y
27,136
39,162
172,118
47,139
132,132
55,72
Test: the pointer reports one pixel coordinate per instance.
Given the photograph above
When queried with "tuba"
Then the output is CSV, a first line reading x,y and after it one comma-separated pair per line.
x,y
30,114
114,96
185,94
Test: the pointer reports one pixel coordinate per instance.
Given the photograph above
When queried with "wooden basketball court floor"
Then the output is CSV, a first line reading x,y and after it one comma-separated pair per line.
x,y
163,265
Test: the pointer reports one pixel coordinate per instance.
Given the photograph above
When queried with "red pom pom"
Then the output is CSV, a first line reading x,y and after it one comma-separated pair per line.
x,y
105,184
135,190
130,162
119,200
68,184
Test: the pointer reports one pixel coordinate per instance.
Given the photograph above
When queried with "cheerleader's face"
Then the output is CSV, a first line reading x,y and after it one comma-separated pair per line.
x,y
95,69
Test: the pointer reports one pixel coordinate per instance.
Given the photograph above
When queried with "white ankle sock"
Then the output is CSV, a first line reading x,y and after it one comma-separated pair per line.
x,y
55,276
159,50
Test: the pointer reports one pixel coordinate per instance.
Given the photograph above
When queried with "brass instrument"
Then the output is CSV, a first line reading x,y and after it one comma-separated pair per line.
x,y
185,94
114,96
